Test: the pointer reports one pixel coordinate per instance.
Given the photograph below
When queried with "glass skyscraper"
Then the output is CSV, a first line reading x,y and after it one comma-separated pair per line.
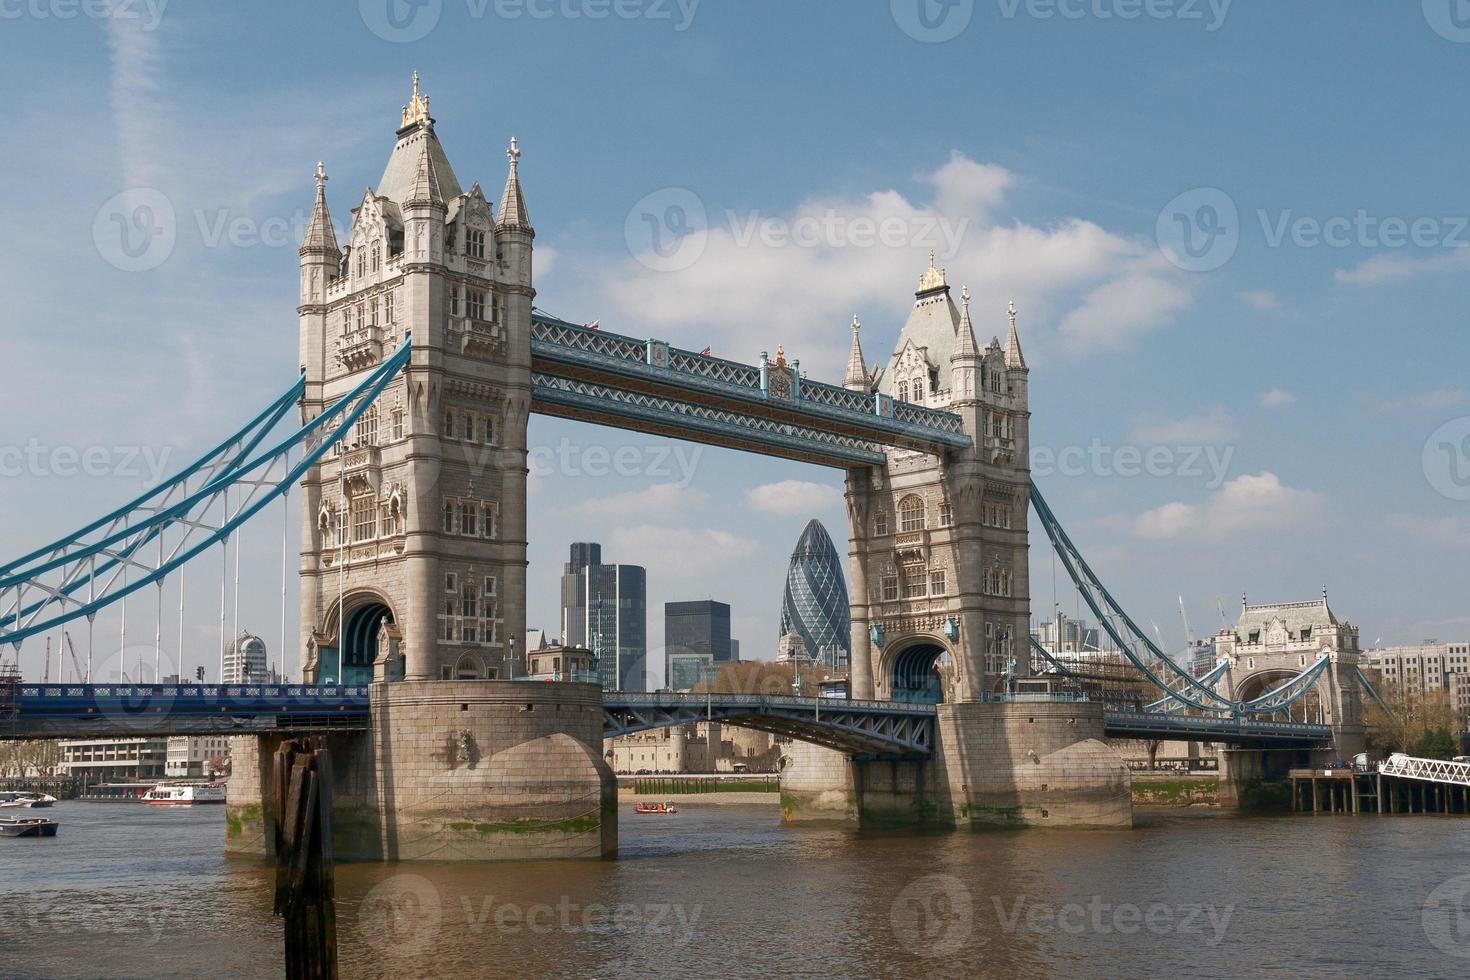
x,y
815,604
696,641
605,609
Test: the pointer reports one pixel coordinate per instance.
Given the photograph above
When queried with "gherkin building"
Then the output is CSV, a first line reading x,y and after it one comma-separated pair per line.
x,y
815,604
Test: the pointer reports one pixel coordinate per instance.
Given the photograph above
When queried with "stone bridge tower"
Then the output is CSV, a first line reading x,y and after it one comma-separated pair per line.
x,y
413,564
941,609
414,529
940,598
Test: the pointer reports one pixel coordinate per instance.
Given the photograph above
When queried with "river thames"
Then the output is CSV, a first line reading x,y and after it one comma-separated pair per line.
x,y
725,891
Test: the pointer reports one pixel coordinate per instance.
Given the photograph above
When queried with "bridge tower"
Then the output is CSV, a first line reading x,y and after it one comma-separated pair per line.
x,y
1272,643
940,601
413,563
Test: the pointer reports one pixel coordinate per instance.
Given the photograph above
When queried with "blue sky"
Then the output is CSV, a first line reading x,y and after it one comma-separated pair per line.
x,y
1295,369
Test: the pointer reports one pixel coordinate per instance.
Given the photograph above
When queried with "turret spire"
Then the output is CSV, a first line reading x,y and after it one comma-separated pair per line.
x,y
933,278
425,189
319,232
965,345
417,110
857,368
1014,357
512,203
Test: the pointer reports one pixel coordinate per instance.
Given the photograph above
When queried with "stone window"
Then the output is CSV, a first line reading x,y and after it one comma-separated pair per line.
x,y
454,301
469,523
914,584
397,423
903,391
367,427
936,582
880,524
890,588
475,244
451,517
377,256
497,307
911,514
364,518
361,316
469,427
451,582
448,425
373,312
489,585
475,304
946,514
387,520
388,299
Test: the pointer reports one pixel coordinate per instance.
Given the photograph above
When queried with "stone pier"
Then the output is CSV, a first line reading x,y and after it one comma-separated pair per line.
x,y
1041,764
462,770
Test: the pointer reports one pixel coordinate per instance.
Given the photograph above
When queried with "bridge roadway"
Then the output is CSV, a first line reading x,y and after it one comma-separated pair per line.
x,y
876,728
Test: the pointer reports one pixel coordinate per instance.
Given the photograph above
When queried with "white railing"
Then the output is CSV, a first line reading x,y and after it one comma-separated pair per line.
x,y
1429,770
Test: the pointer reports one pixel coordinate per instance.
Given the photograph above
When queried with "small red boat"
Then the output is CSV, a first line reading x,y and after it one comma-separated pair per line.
x,y
656,808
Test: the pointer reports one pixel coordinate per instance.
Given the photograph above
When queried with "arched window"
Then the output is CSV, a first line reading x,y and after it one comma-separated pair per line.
x,y
468,668
911,514
903,391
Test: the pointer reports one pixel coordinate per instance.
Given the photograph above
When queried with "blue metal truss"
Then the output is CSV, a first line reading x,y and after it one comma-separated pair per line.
x,y
877,728
700,397
165,528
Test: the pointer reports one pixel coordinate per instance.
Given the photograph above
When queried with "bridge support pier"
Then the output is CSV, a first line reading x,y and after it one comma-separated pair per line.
x,y
464,770
1259,780
1041,764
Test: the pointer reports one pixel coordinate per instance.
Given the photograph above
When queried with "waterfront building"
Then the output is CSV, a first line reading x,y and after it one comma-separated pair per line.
x,y
605,610
97,760
694,748
815,603
696,641
1426,668
245,661
196,756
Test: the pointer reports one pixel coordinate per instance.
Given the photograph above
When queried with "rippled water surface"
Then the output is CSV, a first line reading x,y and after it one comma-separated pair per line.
x,y
724,891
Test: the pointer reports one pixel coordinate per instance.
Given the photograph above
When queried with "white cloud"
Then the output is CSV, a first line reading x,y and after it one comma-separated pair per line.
x,y
1277,398
1210,426
657,500
1261,299
1381,270
793,498
679,552
1074,281
1245,505
1451,531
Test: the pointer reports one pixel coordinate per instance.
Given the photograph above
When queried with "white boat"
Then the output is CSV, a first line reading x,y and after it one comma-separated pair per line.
x,y
10,800
184,794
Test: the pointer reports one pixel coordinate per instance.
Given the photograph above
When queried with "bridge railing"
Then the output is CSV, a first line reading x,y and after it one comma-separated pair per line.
x,y
761,701
1430,770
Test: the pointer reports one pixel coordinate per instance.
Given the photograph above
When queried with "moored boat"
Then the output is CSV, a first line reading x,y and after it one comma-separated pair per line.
x,y
25,800
27,827
184,794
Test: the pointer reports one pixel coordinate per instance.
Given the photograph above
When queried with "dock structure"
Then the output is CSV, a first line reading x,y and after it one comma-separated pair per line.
x,y
1402,784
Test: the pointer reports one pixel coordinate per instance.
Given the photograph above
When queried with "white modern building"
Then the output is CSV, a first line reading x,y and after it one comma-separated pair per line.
x,y
245,661
196,756
96,760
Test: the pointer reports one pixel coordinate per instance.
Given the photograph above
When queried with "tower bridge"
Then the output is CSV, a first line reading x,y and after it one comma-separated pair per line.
x,y
423,355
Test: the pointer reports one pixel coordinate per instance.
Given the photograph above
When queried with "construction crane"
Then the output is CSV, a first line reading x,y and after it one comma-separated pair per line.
x,y
75,665
46,672
1188,633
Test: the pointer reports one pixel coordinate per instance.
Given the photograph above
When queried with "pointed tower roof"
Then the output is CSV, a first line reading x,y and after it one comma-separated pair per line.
x,y
319,231
857,368
932,325
512,204
1014,357
965,346
425,188
416,134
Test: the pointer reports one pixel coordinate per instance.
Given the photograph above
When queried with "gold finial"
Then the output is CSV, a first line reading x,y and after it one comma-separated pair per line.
x,y
417,110
321,174
780,355
932,279
514,153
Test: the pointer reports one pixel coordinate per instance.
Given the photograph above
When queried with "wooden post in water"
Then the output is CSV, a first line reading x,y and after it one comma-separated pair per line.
x,y
303,838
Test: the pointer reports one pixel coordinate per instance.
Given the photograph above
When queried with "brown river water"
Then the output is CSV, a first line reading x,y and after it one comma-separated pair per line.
x,y
725,891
